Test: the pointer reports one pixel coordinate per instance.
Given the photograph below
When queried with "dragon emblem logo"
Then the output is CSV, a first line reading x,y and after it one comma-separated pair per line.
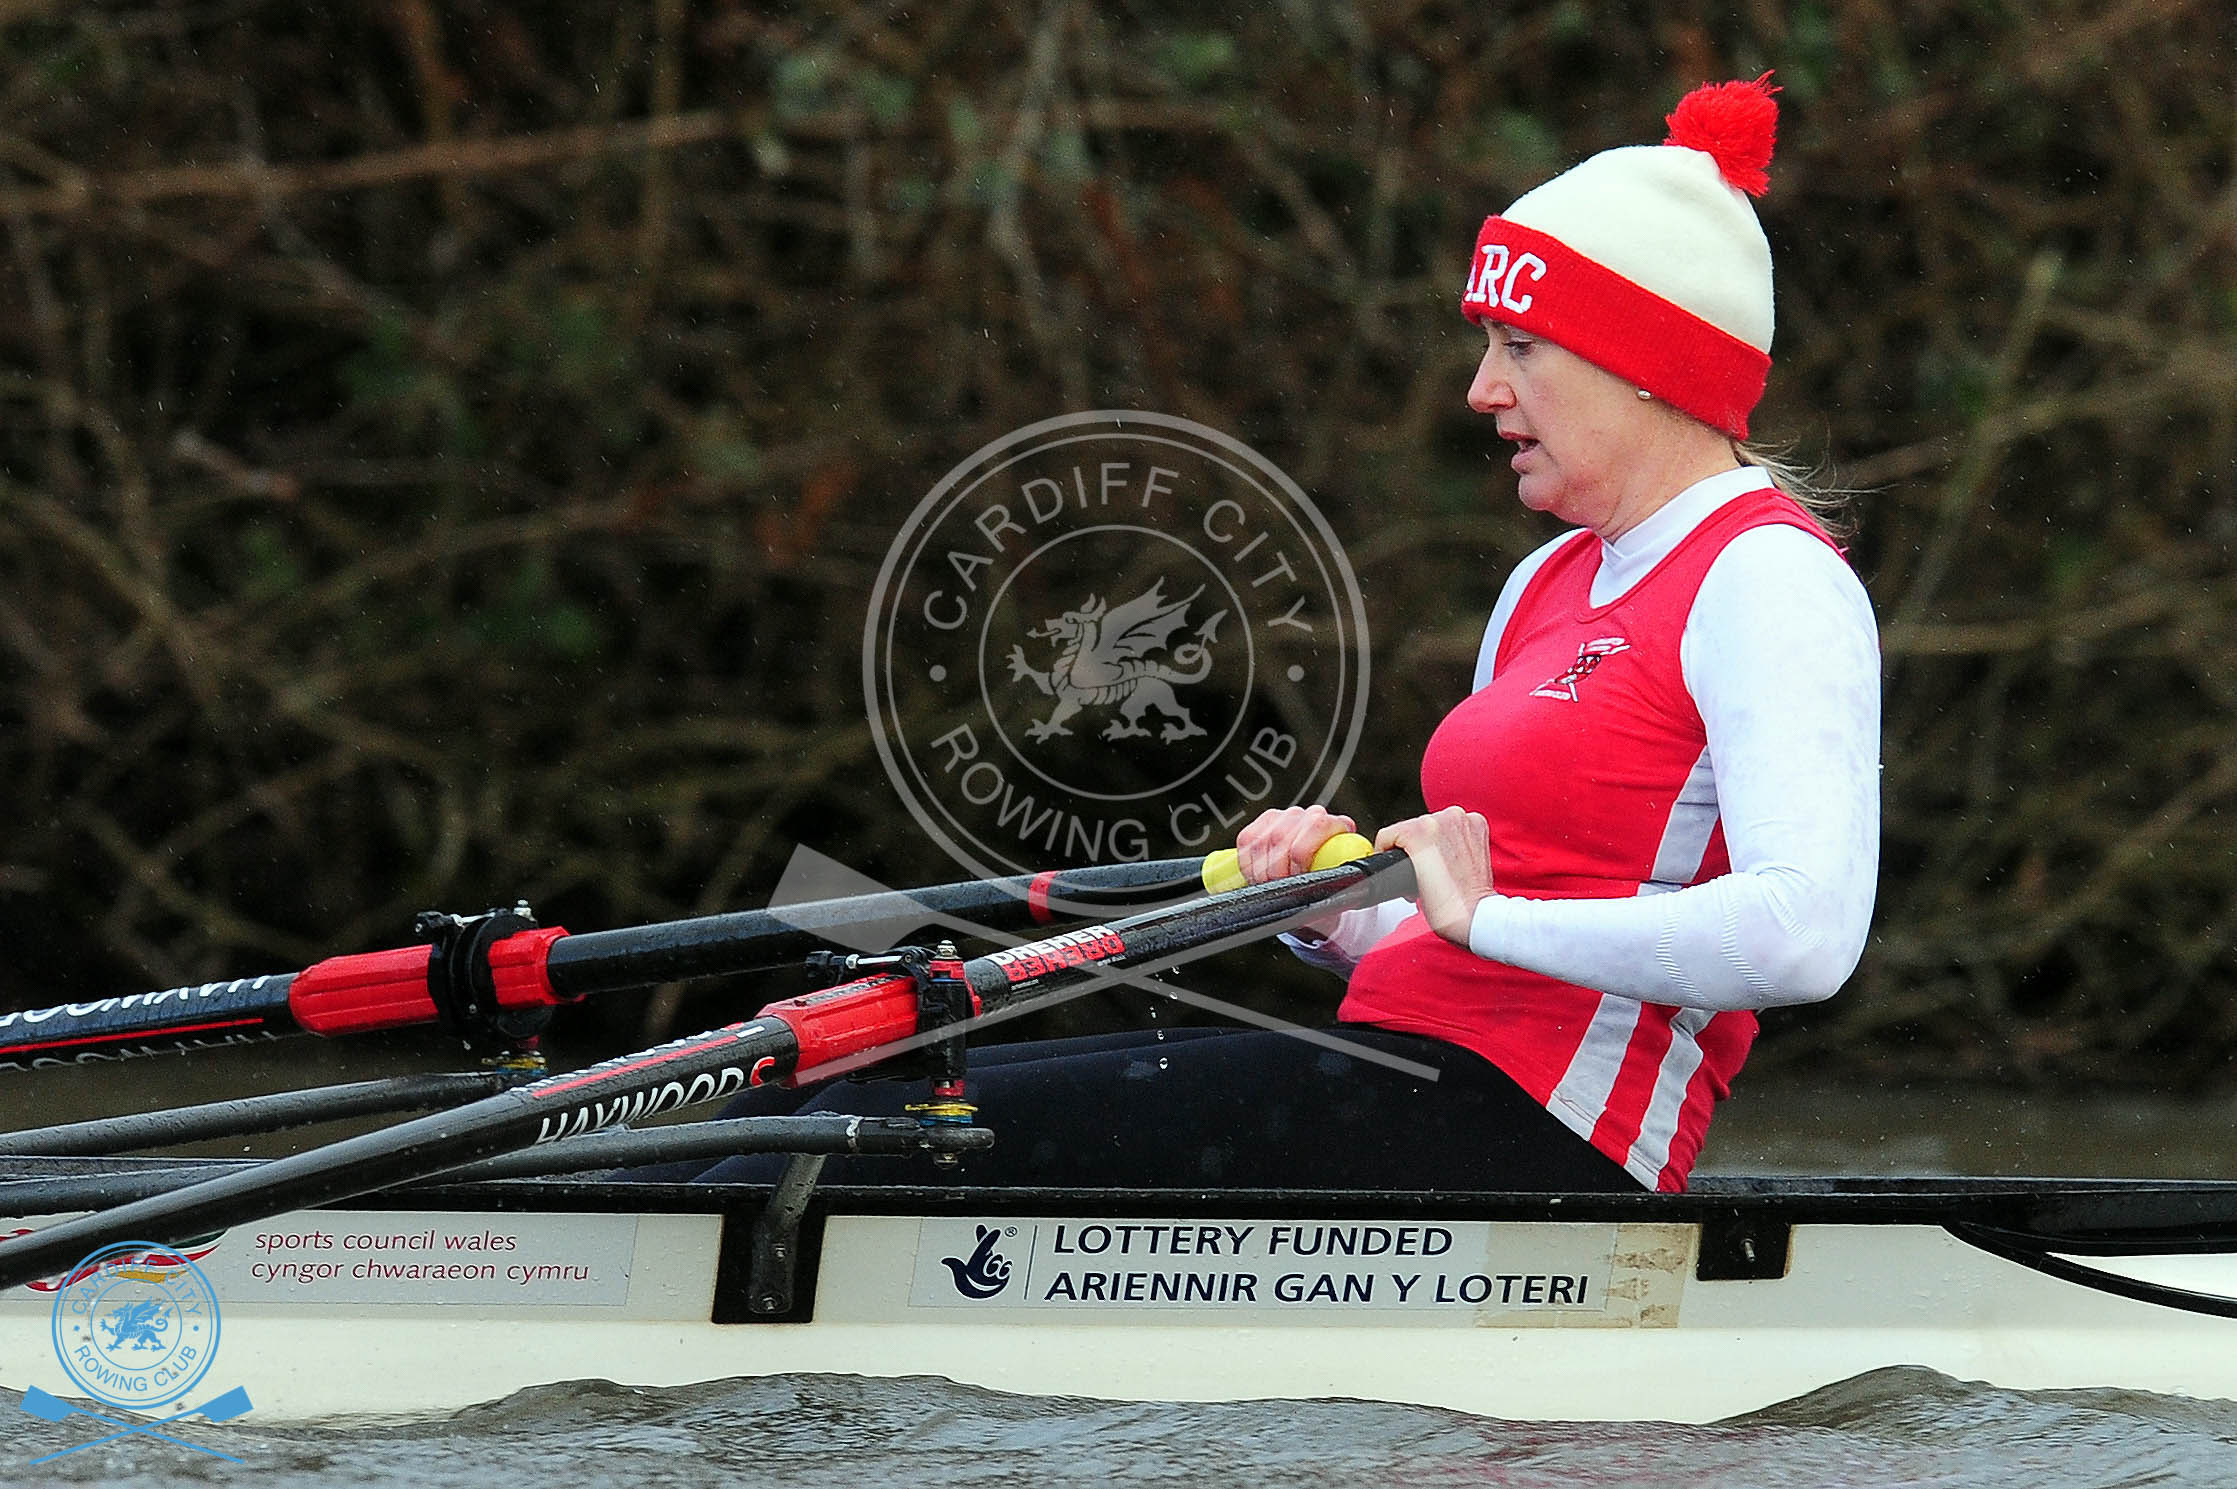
x,y
137,1325
1106,657
1111,637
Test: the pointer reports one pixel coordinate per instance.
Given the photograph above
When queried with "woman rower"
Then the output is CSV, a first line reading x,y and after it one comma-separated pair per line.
x,y
1656,813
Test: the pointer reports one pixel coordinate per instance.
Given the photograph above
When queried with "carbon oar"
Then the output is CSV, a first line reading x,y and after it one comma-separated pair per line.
x,y
798,1036
827,1133
488,971
245,1116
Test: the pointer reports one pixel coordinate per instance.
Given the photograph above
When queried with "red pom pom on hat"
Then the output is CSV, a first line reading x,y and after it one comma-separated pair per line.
x,y
1735,124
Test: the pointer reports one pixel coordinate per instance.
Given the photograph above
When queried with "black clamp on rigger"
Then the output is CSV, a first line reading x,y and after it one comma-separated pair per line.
x,y
943,1002
461,985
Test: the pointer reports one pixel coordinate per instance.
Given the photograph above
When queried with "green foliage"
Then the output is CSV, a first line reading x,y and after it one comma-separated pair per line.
x,y
530,616
1524,148
802,83
1194,61
271,567
389,382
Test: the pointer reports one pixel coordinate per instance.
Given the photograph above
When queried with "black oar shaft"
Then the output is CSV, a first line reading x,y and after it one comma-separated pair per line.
x,y
713,945
701,1068
827,1133
821,1132
846,1027
211,1013
274,1112
837,1024
541,968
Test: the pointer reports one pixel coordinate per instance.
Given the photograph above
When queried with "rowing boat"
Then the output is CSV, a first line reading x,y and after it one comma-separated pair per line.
x,y
1738,1294
449,1259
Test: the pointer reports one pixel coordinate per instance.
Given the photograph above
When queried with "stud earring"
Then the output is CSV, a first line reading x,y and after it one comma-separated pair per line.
x,y
1645,396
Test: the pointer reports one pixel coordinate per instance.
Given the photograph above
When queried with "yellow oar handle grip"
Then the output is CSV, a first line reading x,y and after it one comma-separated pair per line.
x,y
1223,870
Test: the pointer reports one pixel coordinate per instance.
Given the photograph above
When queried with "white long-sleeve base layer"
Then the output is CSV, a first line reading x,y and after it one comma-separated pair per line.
x,y
1781,655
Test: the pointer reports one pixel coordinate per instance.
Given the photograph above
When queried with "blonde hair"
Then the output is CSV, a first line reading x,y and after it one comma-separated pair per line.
x,y
1811,486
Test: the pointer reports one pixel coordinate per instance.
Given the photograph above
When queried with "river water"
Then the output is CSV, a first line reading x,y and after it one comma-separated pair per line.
x,y
1892,1428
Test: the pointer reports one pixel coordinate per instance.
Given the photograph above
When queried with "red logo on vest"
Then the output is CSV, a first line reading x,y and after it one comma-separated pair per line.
x,y
1590,655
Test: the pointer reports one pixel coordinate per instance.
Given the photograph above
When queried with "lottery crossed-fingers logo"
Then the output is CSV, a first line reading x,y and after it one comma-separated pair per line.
x,y
135,1326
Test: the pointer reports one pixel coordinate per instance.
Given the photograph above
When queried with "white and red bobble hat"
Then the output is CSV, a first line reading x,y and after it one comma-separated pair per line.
x,y
1648,260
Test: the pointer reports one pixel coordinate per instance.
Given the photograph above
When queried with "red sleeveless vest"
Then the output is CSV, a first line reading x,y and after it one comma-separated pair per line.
x,y
1587,757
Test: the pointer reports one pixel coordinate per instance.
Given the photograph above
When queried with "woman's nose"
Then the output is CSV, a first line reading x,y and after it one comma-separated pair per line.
x,y
1490,391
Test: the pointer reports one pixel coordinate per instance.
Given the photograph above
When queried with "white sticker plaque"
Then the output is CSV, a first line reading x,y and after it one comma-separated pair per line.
x,y
1474,1271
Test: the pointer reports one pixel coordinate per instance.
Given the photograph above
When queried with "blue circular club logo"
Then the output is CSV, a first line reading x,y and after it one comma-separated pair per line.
x,y
136,1325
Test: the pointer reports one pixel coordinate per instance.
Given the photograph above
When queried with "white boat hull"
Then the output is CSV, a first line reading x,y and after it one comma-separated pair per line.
x,y
411,1310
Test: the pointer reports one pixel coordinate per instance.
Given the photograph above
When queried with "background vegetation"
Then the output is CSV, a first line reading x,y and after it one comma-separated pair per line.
x,y
445,448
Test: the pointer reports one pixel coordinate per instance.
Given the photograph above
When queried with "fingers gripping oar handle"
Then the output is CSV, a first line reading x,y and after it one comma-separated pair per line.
x,y
542,967
1200,926
846,1023
1223,868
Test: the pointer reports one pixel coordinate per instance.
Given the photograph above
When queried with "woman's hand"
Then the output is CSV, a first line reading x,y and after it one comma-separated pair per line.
x,y
1451,852
1282,842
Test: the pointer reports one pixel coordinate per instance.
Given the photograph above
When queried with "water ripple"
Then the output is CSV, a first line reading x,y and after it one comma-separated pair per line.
x,y
1892,1429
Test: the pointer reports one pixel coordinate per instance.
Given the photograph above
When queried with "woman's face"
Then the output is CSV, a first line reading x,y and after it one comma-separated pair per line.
x,y
1573,427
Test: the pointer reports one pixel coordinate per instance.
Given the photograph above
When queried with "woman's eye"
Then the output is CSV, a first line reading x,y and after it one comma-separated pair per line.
x,y
1517,345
